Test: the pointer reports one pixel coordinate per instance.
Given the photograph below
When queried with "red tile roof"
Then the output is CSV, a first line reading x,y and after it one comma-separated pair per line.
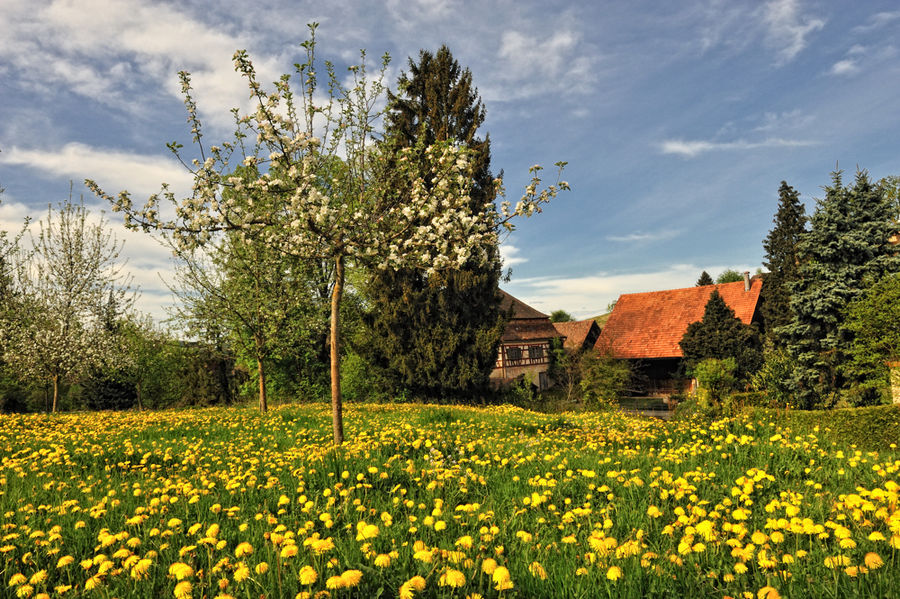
x,y
526,323
576,332
650,325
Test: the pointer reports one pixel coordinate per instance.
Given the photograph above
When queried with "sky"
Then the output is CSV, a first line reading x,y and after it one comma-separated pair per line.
x,y
678,120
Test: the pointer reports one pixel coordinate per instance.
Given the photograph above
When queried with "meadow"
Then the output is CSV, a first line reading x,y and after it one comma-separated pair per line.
x,y
430,501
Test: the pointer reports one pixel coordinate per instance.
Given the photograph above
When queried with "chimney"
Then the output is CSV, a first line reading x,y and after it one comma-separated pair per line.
x,y
746,280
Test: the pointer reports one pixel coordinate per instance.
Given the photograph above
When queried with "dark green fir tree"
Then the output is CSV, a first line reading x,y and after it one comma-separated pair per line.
x,y
722,335
705,279
846,250
437,335
782,261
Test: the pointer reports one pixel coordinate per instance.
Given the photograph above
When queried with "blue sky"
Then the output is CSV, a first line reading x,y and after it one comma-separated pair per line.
x,y
678,120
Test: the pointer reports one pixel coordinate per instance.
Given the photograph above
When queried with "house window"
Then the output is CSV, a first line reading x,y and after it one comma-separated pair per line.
x,y
536,352
513,353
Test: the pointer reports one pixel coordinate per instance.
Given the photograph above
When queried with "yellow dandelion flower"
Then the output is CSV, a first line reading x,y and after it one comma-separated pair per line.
x,y
140,569
241,573
93,582
537,570
17,579
423,556
488,566
183,590
768,592
62,589
261,568
64,561
243,549
614,573
465,542
24,591
382,560
351,578
289,551
180,570
452,578
335,582
873,561
307,575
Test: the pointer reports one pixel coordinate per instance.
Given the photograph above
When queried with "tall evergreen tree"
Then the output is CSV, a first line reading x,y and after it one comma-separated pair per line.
x,y
722,335
782,260
705,279
438,334
846,250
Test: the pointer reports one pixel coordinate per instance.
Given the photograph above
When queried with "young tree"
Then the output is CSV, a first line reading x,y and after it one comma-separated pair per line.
x,y
846,250
437,334
722,335
334,196
782,260
705,279
560,316
873,319
73,272
729,276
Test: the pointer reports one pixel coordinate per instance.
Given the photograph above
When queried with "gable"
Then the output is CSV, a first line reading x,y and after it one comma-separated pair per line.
x,y
650,325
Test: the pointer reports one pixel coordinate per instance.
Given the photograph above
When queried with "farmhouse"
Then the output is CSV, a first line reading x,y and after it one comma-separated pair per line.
x,y
647,327
525,345
579,334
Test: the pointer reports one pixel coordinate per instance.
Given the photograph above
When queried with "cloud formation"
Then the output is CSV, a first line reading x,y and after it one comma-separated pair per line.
x,y
788,29
693,148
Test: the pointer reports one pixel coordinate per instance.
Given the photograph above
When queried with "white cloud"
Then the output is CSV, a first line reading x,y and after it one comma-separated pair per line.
x,y
787,28
112,169
588,296
510,255
844,67
638,236
877,21
112,52
691,149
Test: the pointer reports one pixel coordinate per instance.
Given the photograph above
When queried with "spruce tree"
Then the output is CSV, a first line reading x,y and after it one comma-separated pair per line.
x,y
705,279
437,335
846,250
722,335
782,260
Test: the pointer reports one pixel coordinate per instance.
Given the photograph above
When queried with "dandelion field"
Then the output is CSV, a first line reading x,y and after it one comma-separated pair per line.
x,y
438,502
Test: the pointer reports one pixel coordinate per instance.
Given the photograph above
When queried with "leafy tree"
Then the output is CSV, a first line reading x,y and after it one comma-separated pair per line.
x,y
335,196
705,279
873,319
782,260
438,333
728,276
560,316
72,275
845,251
722,335
604,379
716,378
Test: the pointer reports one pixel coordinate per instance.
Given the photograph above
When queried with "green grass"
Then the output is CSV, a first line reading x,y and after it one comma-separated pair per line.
x,y
693,509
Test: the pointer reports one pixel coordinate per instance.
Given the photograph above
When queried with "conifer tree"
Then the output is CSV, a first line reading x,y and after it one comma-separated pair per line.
x,y
722,335
437,334
705,279
782,260
846,250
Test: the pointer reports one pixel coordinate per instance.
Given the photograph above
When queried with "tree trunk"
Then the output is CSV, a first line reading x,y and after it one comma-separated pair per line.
x,y
337,418
55,392
140,402
261,375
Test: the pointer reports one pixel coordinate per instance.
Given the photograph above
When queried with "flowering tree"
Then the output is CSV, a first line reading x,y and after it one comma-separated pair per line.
x,y
66,282
326,191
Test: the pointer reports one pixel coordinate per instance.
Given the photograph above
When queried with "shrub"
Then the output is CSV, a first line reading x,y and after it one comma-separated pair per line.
x,y
604,379
716,380
776,379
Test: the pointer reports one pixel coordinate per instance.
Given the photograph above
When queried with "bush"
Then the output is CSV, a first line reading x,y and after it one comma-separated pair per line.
x,y
869,428
604,379
776,379
716,380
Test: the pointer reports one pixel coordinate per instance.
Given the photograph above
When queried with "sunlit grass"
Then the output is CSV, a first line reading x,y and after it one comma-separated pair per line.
x,y
438,502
